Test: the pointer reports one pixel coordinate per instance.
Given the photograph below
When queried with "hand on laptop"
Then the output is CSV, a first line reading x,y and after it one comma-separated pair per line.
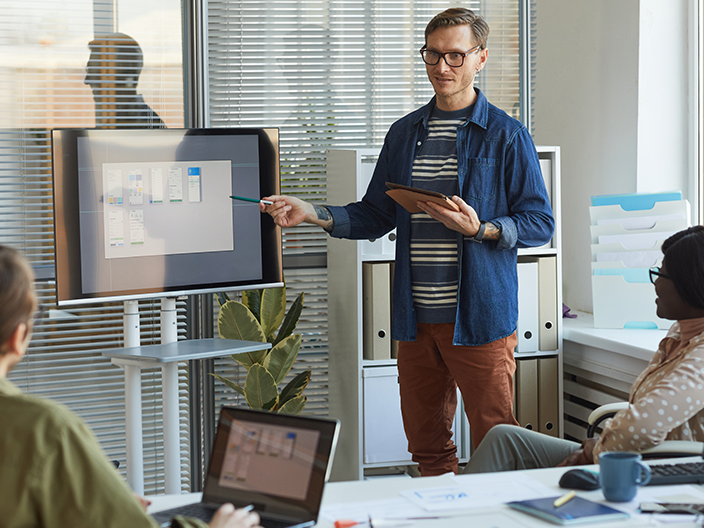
x,y
228,517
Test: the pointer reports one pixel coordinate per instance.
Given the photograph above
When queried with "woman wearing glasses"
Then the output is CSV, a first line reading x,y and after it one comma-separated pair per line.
x,y
54,473
666,400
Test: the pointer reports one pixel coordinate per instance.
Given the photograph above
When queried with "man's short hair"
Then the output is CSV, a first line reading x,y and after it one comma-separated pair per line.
x,y
16,292
460,16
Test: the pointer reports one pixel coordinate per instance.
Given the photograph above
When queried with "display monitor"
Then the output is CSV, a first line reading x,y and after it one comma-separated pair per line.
x,y
147,213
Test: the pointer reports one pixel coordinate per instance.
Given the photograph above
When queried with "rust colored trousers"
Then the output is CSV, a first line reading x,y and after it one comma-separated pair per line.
x,y
430,370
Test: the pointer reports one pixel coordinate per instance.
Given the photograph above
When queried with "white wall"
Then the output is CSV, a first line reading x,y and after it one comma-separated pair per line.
x,y
612,91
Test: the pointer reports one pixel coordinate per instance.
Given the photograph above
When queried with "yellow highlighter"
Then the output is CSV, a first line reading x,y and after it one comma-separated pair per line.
x,y
564,499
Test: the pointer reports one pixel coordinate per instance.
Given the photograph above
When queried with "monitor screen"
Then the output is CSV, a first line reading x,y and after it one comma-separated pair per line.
x,y
147,213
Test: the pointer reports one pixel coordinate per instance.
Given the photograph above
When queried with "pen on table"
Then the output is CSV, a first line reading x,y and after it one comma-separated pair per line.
x,y
389,522
564,499
253,200
348,523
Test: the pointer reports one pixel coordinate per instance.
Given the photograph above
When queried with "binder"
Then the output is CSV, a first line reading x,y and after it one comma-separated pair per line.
x,y
394,343
547,303
376,310
548,396
528,311
527,393
546,169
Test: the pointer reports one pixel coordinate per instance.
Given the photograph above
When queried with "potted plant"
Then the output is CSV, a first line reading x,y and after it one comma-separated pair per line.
x,y
261,316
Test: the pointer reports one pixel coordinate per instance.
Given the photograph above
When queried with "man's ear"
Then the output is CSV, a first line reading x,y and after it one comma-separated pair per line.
x,y
17,343
483,56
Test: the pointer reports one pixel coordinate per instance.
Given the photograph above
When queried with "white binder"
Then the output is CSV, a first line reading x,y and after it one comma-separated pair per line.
x,y
528,309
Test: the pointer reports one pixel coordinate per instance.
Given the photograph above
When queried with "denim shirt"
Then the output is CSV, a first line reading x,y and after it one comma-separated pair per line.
x,y
499,176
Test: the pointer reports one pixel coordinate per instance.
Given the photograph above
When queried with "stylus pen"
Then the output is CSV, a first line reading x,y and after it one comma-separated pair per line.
x,y
253,200
249,507
564,499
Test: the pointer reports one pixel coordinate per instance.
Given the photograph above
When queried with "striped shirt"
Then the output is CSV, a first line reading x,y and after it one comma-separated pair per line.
x,y
434,267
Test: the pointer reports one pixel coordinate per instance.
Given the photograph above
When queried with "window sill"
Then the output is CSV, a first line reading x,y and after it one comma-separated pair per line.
x,y
637,344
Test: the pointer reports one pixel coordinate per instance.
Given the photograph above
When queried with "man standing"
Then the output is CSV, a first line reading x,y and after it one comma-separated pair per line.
x,y
455,305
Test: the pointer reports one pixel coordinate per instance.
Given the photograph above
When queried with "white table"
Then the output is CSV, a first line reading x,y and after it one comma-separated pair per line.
x,y
500,516
166,356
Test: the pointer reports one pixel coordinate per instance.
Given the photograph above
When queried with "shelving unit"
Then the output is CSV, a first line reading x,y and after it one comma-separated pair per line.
x,y
364,392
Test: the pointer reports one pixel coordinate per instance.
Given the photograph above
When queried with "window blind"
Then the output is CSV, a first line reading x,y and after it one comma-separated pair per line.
x,y
50,79
331,74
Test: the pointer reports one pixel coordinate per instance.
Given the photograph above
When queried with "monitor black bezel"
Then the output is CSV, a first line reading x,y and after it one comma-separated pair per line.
x,y
67,245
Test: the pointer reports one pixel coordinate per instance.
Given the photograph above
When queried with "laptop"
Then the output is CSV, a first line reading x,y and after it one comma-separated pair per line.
x,y
278,463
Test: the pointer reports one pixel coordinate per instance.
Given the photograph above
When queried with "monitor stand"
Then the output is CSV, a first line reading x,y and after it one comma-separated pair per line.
x,y
134,357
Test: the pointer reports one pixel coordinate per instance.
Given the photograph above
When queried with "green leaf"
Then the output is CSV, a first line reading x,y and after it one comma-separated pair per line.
x,y
291,319
247,359
294,388
252,300
278,362
273,309
260,388
236,321
294,406
229,383
270,405
222,298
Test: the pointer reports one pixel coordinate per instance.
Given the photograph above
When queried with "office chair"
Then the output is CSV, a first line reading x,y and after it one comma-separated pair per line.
x,y
667,449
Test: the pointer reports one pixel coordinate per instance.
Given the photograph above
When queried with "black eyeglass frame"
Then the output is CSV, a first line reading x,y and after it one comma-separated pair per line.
x,y
425,49
655,272
38,315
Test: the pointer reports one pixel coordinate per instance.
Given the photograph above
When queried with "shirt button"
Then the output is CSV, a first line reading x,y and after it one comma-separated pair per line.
x,y
419,143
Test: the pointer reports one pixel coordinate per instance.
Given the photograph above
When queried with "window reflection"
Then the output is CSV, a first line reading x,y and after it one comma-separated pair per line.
x,y
112,72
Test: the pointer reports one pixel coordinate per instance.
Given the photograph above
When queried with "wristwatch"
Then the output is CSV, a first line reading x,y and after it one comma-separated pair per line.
x,y
480,234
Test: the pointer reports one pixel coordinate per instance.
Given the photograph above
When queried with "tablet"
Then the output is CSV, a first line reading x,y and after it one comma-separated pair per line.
x,y
408,196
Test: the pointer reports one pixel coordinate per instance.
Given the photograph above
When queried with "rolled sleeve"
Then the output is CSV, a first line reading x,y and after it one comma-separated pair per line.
x,y
509,233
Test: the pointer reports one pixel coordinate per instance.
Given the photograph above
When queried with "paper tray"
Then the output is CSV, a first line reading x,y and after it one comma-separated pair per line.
x,y
620,304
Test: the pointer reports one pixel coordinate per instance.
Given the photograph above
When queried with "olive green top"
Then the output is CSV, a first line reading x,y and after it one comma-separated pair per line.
x,y
53,472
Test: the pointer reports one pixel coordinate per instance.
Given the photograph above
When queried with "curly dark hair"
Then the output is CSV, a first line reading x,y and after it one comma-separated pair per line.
x,y
684,261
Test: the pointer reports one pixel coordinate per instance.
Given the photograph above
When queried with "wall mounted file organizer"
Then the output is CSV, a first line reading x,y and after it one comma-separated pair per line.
x,y
627,233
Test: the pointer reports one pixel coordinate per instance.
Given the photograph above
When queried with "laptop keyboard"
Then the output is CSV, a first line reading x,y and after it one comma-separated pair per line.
x,y
205,513
682,473
197,510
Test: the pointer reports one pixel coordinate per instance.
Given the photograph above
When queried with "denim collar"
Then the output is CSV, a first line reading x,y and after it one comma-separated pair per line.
x,y
479,115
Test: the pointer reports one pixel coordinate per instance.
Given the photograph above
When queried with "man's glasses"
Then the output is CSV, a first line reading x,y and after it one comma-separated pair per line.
x,y
655,273
454,59
38,315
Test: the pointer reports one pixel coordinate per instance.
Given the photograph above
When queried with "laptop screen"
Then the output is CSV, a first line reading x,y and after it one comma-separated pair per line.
x,y
277,462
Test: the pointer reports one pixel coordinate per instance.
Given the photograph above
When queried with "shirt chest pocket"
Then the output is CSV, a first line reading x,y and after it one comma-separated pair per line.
x,y
482,183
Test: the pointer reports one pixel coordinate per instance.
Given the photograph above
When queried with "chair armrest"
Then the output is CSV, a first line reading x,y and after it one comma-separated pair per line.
x,y
668,448
602,413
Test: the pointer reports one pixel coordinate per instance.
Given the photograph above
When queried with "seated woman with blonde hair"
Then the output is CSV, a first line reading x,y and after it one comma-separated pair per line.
x,y
667,399
54,473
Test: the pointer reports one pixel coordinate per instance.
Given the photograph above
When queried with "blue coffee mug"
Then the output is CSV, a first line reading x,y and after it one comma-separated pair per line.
x,y
621,473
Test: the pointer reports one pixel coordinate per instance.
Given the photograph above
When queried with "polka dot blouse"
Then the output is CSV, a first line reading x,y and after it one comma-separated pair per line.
x,y
667,399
